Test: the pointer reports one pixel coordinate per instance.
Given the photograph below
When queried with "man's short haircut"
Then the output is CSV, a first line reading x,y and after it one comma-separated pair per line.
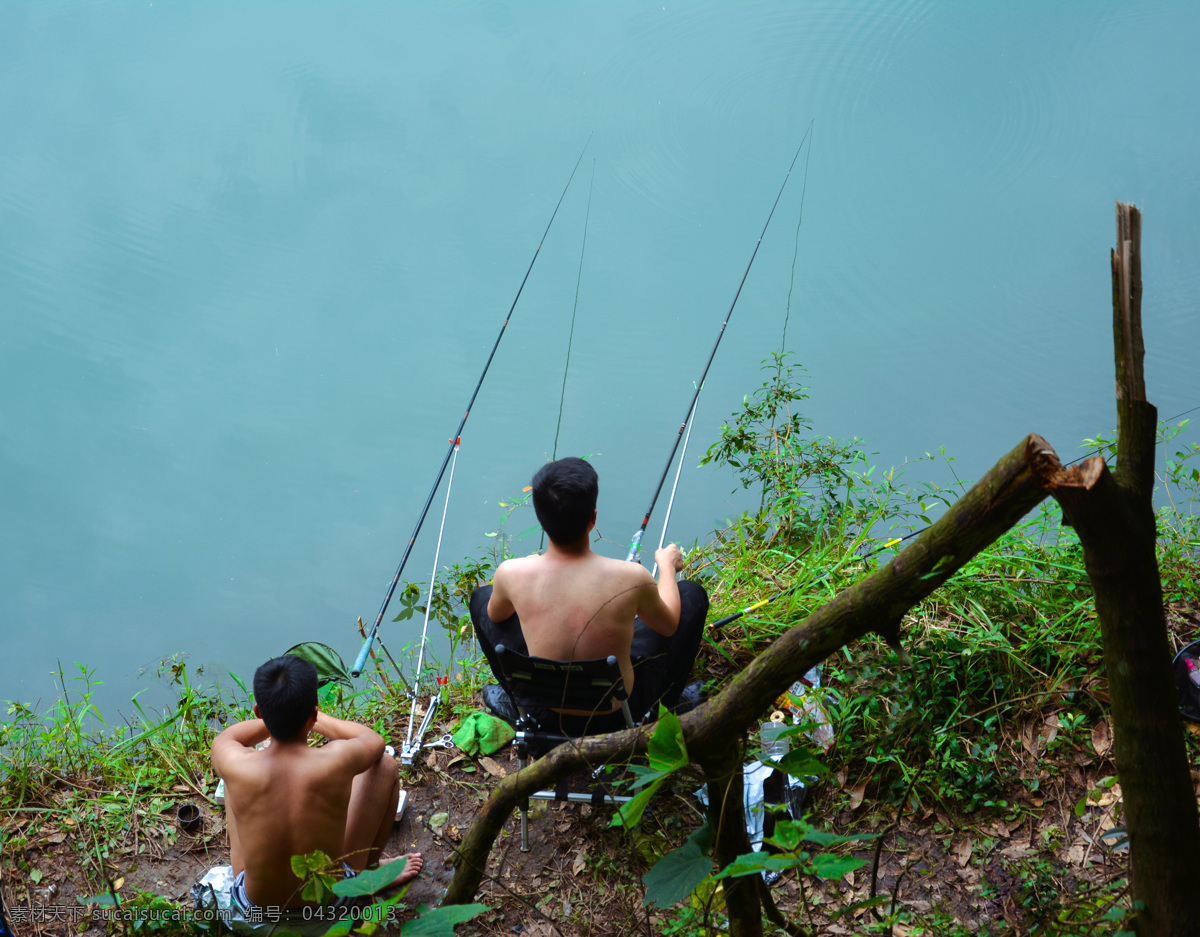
x,y
285,689
564,498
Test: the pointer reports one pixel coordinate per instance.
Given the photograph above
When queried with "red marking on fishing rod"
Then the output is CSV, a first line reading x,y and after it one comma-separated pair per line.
x,y
457,440
443,681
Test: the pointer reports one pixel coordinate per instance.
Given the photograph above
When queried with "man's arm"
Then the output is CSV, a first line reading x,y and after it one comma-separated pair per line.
x,y
368,744
659,606
237,737
500,606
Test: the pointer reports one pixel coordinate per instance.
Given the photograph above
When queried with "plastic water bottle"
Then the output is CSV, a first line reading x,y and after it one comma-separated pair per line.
x,y
774,747
1193,671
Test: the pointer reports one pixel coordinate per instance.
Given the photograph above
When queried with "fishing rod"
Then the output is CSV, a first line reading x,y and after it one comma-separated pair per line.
x,y
722,622
409,750
635,544
457,437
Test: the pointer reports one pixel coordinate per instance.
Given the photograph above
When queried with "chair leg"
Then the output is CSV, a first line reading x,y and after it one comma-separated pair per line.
x,y
522,761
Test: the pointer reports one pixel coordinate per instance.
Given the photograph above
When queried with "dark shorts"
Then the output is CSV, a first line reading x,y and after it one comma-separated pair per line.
x,y
661,665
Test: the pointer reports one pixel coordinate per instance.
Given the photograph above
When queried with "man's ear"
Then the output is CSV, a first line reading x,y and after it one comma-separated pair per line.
x,y
257,712
592,522
312,719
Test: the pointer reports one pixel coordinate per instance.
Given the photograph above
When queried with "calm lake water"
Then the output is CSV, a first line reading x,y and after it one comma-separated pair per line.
x,y
253,258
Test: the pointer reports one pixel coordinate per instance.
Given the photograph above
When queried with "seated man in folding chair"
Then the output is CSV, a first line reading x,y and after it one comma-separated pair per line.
x,y
572,604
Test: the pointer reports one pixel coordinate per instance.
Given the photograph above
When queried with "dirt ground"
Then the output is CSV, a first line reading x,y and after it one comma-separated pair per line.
x,y
582,879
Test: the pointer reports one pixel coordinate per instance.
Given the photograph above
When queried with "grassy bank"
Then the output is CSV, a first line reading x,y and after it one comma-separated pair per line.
x,y
983,762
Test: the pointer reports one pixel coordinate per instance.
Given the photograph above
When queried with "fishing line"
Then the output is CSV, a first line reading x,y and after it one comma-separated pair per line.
x,y
571,335
407,752
635,544
795,253
455,439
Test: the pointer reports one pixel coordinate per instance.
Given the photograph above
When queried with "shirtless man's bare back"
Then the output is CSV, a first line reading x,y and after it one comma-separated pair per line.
x,y
577,605
574,604
290,799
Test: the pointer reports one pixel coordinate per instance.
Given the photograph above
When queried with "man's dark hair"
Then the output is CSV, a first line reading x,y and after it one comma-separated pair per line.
x,y
285,689
564,498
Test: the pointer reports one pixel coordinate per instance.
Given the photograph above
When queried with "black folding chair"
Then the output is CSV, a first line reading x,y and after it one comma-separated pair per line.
x,y
538,687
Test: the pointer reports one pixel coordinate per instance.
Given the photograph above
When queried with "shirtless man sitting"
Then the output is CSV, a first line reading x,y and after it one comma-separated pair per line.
x,y
289,799
572,604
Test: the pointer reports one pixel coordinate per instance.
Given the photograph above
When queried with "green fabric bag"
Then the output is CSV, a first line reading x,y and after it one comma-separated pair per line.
x,y
482,734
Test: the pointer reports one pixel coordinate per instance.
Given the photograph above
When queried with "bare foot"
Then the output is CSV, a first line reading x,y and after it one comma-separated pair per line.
x,y
412,868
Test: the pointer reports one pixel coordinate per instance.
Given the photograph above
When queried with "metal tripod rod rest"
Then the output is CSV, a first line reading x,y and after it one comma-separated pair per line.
x,y
411,746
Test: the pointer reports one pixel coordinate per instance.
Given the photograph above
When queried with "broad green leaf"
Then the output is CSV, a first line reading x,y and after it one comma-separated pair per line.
x,y
369,881
676,875
667,750
788,835
319,887
757,862
314,861
821,838
106,900
792,732
629,814
703,837
667,753
440,921
802,763
833,867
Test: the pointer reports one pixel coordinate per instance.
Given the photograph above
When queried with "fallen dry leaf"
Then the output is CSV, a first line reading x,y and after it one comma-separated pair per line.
x,y
962,851
579,864
55,838
1050,728
857,793
1102,738
1075,854
1015,851
492,767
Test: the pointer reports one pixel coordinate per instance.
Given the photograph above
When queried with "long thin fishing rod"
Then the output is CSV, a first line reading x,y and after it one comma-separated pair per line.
x,y
722,622
416,684
571,334
635,544
456,438
662,537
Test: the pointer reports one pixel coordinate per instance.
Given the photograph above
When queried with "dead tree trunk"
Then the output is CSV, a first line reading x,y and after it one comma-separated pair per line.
x,y
1114,516
876,603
